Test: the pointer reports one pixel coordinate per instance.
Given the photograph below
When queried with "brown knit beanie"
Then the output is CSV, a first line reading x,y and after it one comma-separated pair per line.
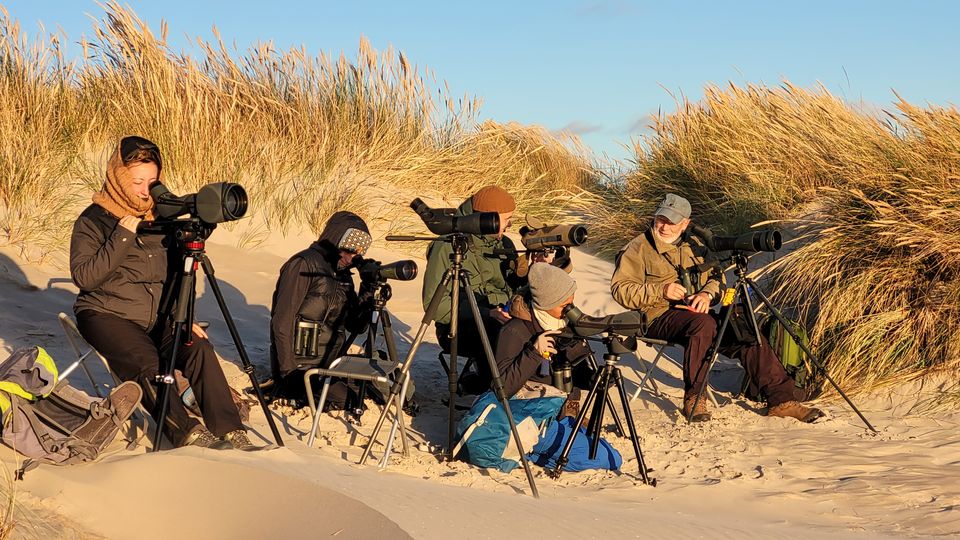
x,y
493,199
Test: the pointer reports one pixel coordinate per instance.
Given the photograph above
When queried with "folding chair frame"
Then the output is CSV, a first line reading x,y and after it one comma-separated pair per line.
x,y
647,381
327,374
77,343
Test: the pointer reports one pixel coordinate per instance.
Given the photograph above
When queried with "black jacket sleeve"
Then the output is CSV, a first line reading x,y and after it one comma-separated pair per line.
x,y
517,358
292,286
94,255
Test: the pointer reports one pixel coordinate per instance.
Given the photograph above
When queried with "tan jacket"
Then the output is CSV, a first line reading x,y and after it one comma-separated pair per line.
x,y
646,264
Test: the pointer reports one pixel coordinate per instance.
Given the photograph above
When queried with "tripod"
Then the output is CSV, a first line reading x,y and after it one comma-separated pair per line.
x,y
453,279
599,399
741,291
379,316
193,237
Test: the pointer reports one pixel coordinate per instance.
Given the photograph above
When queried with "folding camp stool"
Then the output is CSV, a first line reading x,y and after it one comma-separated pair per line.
x,y
647,381
358,368
78,344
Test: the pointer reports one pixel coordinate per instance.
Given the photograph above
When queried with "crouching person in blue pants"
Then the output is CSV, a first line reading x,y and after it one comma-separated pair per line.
x,y
534,363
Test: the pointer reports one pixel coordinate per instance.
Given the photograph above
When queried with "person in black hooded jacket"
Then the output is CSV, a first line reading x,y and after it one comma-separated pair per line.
x,y
315,288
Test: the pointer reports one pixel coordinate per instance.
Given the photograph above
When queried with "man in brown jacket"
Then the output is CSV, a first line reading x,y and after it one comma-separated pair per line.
x,y
664,277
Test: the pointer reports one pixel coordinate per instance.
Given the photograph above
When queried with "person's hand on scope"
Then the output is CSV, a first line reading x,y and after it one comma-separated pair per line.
x,y
545,343
674,292
500,315
130,223
545,256
698,303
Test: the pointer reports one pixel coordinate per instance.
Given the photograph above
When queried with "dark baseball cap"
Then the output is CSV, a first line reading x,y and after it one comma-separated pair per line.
x,y
674,207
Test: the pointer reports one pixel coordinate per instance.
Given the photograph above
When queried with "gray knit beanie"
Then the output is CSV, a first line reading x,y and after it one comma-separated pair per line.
x,y
549,286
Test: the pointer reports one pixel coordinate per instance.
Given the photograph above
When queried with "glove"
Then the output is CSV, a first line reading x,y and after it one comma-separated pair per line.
x,y
545,344
366,293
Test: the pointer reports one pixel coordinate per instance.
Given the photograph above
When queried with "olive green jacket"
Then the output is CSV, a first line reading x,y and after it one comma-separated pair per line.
x,y
646,264
492,278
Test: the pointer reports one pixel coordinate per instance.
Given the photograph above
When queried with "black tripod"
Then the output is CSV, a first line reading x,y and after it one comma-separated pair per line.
x,y
453,279
192,235
598,397
741,292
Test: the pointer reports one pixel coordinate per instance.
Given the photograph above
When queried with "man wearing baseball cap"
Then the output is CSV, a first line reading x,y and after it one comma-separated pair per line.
x,y
660,274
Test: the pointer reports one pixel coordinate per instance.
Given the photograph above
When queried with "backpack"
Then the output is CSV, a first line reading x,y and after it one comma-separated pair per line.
x,y
485,432
50,421
791,355
548,450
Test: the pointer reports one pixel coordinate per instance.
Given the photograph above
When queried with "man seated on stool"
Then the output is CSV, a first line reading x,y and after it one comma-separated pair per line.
x,y
650,274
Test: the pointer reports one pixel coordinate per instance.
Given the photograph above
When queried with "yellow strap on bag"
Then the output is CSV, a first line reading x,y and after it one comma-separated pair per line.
x,y
728,295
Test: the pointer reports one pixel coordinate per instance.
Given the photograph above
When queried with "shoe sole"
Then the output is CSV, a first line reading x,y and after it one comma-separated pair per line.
x,y
100,432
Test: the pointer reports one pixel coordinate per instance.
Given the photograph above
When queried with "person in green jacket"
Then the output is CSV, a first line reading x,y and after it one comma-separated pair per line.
x,y
493,280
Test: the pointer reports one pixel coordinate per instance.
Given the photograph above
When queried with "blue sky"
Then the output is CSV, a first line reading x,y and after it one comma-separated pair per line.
x,y
598,68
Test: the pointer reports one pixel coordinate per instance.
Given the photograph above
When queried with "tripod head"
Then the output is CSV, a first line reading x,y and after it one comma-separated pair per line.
x,y
617,345
458,241
184,231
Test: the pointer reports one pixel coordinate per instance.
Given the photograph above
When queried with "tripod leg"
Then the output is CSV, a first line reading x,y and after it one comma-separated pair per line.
x,y
592,362
163,393
397,421
497,383
398,414
581,416
387,327
428,317
187,291
596,417
628,414
452,374
244,359
813,358
715,349
616,418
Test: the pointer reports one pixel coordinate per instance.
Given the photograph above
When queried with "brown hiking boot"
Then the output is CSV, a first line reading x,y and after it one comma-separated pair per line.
x,y
201,436
794,409
239,439
701,413
108,415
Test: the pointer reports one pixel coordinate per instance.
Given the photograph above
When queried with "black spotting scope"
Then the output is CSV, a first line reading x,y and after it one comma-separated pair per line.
x,y
214,203
373,271
749,242
443,221
627,323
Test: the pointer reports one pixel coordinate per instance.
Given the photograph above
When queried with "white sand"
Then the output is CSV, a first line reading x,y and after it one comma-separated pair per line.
x,y
740,476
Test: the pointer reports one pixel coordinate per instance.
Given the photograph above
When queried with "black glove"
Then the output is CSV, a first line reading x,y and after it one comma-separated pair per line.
x,y
366,295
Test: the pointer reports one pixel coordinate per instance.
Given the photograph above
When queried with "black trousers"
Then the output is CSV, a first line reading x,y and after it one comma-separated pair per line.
x,y
697,331
469,345
135,355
